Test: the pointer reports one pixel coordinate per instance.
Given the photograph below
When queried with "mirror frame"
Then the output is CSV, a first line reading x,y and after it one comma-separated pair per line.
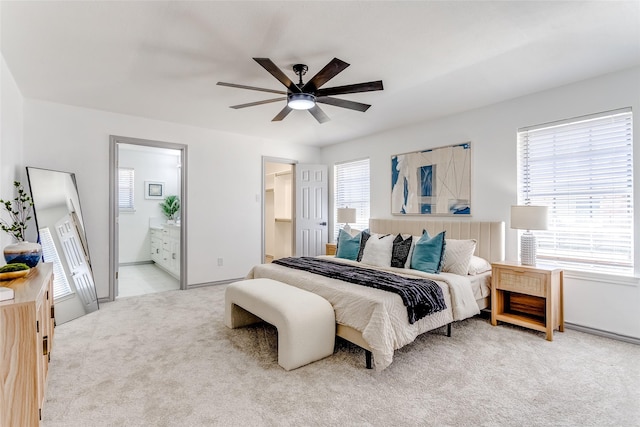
x,y
91,304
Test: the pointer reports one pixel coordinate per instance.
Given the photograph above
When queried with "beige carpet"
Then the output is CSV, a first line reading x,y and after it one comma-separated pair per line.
x,y
166,359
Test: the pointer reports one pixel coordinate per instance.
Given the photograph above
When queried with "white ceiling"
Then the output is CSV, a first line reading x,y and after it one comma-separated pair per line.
x,y
162,59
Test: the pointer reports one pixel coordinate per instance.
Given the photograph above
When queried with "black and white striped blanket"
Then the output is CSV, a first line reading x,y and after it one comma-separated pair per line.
x,y
422,297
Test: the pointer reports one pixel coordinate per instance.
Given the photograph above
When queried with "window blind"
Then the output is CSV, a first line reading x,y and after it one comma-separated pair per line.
x,y
125,188
582,169
61,286
351,189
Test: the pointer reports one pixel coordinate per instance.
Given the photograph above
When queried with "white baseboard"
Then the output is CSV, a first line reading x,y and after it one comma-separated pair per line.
x,y
127,264
601,333
219,282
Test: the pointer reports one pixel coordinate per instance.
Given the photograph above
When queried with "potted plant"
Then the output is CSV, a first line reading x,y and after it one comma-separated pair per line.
x,y
170,207
19,211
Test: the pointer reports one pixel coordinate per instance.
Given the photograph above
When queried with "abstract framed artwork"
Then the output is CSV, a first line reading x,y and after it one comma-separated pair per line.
x,y
432,182
153,190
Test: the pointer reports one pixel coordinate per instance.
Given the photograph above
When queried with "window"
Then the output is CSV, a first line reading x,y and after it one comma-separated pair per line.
x,y
125,189
582,169
351,189
61,286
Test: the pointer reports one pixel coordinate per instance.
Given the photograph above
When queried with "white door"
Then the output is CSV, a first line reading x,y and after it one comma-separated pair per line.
x,y
76,261
311,209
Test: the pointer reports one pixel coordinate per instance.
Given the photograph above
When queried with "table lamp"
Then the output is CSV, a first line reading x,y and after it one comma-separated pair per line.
x,y
346,216
528,218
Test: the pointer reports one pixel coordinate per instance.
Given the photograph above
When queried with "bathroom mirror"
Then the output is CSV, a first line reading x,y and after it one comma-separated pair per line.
x,y
61,232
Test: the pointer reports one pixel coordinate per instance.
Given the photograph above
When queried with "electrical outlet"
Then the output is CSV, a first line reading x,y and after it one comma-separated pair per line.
x,y
220,262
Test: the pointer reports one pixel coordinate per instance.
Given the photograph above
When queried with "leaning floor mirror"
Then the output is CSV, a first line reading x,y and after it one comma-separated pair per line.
x,y
61,232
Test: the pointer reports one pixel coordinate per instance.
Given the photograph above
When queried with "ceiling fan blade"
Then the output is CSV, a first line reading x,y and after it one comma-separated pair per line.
x,y
261,89
355,88
320,116
251,104
327,73
276,72
352,105
282,114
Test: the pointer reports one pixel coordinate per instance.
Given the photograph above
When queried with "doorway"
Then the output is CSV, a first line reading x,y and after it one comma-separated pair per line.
x,y
147,239
295,209
278,218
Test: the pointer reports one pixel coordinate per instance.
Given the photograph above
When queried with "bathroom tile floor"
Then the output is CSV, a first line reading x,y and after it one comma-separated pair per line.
x,y
144,279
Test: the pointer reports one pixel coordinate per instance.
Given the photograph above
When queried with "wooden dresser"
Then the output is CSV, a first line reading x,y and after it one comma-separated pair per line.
x,y
26,338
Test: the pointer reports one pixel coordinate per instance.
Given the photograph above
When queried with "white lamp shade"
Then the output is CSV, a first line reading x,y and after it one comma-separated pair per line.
x,y
346,215
529,217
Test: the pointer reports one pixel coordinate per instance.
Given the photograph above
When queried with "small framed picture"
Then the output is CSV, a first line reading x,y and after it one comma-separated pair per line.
x,y
153,190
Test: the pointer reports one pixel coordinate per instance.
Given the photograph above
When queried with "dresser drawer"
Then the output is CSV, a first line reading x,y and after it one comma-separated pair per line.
x,y
527,282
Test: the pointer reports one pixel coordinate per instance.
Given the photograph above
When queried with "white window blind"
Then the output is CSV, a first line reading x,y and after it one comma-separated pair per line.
x,y
61,286
351,189
125,189
582,169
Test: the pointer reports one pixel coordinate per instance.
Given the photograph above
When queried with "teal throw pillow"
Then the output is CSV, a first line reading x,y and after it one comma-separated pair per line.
x,y
348,245
428,253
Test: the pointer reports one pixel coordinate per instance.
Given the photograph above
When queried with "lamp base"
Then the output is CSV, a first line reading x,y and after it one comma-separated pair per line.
x,y
528,247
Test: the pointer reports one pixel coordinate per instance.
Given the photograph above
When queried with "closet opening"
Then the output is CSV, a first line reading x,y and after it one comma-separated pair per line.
x,y
278,214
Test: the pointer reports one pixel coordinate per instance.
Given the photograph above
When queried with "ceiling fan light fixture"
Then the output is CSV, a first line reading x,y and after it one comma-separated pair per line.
x,y
308,96
301,101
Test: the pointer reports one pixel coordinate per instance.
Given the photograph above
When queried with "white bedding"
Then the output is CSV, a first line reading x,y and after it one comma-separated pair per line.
x,y
481,285
380,316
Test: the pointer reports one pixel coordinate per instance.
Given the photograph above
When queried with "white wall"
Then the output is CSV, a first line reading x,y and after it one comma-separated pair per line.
x,y
156,165
224,182
225,176
492,132
11,137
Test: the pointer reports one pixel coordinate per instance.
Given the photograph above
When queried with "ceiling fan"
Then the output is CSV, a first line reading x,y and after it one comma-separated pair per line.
x,y
306,96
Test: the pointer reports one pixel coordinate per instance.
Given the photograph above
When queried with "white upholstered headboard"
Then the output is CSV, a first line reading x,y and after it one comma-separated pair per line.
x,y
489,235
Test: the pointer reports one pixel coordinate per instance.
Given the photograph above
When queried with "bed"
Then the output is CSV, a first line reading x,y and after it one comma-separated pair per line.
x,y
375,319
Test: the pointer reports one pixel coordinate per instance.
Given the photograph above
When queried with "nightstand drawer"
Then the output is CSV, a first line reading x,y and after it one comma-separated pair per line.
x,y
530,283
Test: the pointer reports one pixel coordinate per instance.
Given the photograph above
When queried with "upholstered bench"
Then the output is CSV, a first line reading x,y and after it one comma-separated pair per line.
x,y
305,321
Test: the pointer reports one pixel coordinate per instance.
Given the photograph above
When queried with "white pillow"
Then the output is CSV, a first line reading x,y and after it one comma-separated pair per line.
x,y
478,265
378,250
457,255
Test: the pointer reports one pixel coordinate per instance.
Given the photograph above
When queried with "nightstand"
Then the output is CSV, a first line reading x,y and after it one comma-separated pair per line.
x,y
527,296
331,249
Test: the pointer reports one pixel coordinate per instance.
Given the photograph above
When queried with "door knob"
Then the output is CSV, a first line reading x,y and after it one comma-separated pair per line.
x,y
323,223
